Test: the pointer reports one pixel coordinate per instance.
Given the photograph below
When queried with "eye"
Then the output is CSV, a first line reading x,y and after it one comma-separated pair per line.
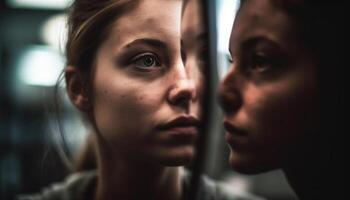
x,y
260,62
183,55
146,60
203,54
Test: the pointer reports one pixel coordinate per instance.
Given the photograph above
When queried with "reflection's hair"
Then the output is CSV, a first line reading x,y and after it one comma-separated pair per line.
x,y
320,26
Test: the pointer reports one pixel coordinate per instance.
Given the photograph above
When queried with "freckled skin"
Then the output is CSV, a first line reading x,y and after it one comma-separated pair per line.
x,y
138,101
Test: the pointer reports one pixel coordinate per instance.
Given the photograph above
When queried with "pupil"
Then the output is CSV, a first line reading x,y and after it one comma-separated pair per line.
x,y
148,61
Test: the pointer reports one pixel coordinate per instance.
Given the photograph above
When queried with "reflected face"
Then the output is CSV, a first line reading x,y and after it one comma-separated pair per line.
x,y
270,94
145,102
194,46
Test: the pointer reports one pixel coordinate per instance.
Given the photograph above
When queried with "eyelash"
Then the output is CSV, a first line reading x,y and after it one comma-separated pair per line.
x,y
229,58
139,61
260,63
203,54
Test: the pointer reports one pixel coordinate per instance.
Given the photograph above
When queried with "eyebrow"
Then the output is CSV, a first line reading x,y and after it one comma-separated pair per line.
x,y
250,42
149,41
259,39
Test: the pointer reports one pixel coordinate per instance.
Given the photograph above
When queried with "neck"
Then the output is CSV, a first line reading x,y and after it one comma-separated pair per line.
x,y
120,178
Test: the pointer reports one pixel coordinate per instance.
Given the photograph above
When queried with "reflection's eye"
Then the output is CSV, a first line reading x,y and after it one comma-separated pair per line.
x,y
146,60
202,57
183,55
260,62
203,54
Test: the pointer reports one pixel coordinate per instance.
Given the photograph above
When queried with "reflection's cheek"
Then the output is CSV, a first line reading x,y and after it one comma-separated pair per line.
x,y
276,120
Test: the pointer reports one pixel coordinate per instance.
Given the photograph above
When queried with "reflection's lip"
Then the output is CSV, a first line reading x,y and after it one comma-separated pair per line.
x,y
232,129
184,121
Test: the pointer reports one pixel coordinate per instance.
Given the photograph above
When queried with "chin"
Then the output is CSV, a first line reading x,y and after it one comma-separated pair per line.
x,y
248,164
178,157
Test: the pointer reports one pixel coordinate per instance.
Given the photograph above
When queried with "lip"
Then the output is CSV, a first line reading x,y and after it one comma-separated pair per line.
x,y
185,125
232,129
235,137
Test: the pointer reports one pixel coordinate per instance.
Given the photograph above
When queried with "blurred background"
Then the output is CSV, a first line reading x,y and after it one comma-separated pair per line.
x,y
32,38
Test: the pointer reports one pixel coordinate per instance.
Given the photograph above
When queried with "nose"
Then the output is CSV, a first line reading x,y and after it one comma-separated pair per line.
x,y
183,92
229,96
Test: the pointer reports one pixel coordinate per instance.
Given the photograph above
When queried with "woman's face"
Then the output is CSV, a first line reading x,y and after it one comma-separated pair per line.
x,y
146,103
270,94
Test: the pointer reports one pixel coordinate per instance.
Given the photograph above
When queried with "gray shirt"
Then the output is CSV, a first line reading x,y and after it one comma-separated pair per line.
x,y
81,186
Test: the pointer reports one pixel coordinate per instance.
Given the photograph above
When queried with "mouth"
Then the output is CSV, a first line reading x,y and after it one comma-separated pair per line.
x,y
235,137
232,129
183,126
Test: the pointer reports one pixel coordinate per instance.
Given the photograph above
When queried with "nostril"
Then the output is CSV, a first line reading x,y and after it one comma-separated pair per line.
x,y
181,96
183,92
183,100
229,100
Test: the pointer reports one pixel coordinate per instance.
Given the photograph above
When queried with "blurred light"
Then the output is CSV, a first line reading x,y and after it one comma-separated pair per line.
x,y
54,32
226,12
40,66
43,4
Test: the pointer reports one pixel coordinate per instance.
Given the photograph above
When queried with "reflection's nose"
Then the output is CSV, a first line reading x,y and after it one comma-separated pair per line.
x,y
183,92
228,94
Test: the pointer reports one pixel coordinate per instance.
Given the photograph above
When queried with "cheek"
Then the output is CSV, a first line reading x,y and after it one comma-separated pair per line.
x,y
123,110
280,114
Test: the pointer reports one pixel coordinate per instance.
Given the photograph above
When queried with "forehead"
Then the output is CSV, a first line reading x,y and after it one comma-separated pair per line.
x,y
263,18
192,18
151,18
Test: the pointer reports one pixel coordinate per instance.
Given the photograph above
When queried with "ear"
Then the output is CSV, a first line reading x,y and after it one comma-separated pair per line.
x,y
77,88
